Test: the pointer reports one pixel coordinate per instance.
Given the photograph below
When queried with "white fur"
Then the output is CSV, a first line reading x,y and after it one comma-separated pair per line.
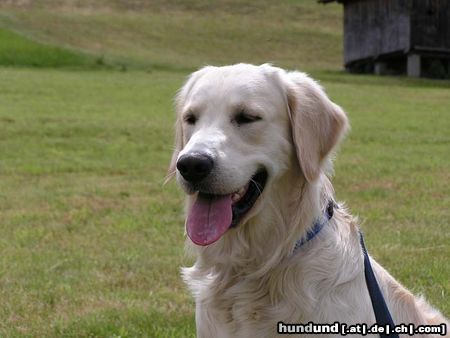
x,y
247,281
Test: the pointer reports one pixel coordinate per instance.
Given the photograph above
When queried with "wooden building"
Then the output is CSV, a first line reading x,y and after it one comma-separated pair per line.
x,y
397,37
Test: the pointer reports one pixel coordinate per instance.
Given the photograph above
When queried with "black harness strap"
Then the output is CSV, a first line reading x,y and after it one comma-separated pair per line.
x,y
382,314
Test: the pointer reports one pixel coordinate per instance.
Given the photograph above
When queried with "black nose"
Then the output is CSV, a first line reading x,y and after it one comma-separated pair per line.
x,y
195,166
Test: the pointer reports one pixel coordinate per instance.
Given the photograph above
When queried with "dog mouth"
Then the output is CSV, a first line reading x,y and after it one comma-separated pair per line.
x,y
212,215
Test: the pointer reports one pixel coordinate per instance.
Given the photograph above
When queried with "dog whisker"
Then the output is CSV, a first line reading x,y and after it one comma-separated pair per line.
x,y
169,176
257,185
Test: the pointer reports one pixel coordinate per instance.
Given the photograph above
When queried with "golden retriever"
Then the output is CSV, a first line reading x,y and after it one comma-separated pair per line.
x,y
252,152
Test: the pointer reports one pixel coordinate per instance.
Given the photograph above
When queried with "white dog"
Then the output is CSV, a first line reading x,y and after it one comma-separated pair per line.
x,y
253,147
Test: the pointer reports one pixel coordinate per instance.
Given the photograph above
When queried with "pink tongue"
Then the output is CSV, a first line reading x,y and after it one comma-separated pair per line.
x,y
209,218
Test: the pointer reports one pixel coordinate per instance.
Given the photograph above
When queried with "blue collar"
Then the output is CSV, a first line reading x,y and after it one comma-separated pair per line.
x,y
318,225
380,309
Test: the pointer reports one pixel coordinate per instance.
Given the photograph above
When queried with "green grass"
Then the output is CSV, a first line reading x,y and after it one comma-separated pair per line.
x,y
17,50
92,241
183,35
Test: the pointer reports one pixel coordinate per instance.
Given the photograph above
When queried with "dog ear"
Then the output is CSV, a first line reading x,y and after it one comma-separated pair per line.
x,y
318,124
180,99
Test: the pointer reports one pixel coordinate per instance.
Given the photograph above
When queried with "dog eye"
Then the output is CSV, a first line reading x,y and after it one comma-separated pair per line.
x,y
190,119
245,118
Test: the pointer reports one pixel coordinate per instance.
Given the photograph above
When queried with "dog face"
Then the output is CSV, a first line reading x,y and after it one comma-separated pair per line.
x,y
238,129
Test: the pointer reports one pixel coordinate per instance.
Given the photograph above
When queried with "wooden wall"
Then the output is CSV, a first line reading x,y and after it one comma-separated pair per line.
x,y
430,24
375,27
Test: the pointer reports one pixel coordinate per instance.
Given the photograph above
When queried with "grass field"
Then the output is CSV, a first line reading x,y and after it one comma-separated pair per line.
x,y
181,35
92,241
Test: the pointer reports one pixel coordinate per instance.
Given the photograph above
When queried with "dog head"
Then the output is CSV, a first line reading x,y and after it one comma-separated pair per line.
x,y
239,130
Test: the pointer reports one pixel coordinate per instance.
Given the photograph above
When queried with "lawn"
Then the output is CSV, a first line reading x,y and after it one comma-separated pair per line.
x,y
181,35
92,240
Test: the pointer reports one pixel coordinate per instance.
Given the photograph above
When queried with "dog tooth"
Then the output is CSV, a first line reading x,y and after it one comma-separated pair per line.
x,y
237,195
